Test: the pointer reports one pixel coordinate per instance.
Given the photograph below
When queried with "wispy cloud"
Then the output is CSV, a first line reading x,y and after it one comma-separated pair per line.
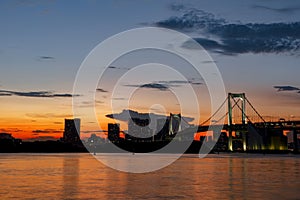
x,y
218,35
285,10
10,130
87,104
46,131
48,115
119,98
42,94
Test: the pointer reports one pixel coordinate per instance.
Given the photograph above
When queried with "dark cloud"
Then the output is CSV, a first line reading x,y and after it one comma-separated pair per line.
x,y
64,95
234,38
101,90
122,68
176,83
206,43
285,10
46,131
165,85
5,94
10,130
94,131
46,58
155,86
158,86
40,131
287,88
191,19
45,94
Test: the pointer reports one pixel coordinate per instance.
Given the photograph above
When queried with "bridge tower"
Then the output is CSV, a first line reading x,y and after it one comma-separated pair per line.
x,y
174,123
242,97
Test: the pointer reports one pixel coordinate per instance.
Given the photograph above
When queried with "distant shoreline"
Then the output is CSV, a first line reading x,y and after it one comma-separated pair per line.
x,y
128,147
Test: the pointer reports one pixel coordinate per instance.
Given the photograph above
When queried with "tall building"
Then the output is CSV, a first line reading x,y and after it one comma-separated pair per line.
x,y
266,139
138,130
162,129
222,142
72,130
113,132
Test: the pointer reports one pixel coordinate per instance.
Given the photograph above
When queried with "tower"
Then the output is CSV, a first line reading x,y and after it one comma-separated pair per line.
x,y
174,124
72,130
242,97
113,132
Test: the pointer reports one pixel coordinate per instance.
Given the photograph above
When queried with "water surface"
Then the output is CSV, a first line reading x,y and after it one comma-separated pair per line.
x,y
81,176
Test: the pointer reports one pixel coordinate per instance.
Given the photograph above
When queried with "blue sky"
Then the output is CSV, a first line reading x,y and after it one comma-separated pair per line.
x,y
42,44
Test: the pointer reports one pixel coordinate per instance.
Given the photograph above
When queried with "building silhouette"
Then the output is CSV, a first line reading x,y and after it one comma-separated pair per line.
x,y
6,136
138,130
162,129
266,139
113,132
72,131
8,143
165,129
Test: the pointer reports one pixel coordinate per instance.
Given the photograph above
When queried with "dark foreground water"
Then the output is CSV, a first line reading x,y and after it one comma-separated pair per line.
x,y
80,176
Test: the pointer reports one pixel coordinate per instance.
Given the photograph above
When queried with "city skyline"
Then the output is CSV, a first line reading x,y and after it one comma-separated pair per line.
x,y
44,43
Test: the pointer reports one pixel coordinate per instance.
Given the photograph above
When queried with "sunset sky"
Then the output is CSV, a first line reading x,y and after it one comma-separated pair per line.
x,y
255,44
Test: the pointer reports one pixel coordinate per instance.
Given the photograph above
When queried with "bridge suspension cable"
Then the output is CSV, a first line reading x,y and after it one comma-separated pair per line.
x,y
236,103
255,110
221,118
248,118
214,113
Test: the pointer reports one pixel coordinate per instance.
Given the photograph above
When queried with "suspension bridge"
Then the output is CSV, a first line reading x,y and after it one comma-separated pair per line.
x,y
247,127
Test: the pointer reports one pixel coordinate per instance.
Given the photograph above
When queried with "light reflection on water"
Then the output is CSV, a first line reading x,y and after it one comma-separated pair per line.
x,y
80,176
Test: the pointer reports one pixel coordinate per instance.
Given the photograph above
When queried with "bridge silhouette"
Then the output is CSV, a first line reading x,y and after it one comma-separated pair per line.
x,y
247,126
